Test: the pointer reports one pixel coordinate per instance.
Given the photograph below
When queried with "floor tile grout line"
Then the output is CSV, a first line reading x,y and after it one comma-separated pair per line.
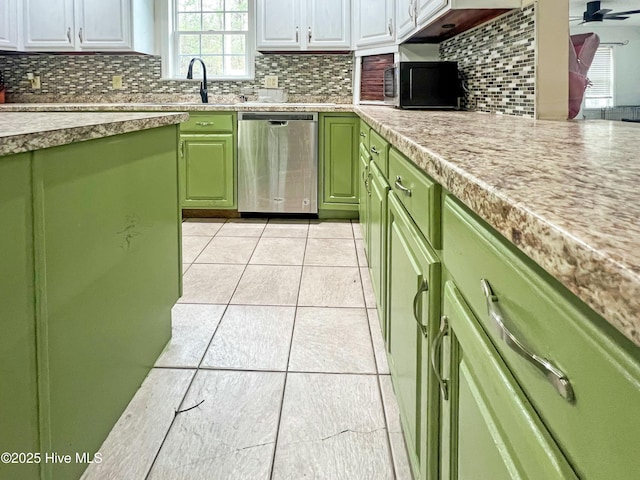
x,y
155,458
286,373
258,370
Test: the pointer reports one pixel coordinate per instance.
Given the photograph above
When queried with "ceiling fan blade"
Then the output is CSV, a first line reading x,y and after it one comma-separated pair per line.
x,y
602,11
628,12
614,17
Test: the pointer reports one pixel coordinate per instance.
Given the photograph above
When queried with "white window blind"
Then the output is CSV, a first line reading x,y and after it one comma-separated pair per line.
x,y
600,93
218,31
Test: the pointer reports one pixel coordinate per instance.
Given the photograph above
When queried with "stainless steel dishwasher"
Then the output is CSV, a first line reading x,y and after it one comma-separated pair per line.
x,y
278,162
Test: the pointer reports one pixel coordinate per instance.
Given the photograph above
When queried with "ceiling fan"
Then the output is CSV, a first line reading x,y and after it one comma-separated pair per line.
x,y
596,14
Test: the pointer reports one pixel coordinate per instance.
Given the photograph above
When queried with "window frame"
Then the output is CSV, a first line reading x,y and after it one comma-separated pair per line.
x,y
168,36
611,97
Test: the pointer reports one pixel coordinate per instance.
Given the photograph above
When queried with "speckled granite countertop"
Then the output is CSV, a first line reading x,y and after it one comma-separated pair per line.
x,y
26,131
566,193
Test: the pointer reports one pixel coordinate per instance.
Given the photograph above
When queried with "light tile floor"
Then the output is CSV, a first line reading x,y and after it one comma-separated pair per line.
x,y
277,341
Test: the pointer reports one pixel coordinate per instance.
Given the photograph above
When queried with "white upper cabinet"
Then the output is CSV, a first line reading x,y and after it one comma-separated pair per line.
x,y
89,25
48,25
303,24
278,24
328,24
405,19
8,24
425,9
374,22
412,16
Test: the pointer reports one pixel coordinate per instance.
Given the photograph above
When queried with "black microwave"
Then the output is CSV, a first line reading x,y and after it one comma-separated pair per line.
x,y
422,85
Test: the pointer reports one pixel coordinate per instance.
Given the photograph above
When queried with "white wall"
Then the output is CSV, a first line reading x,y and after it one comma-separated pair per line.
x,y
626,59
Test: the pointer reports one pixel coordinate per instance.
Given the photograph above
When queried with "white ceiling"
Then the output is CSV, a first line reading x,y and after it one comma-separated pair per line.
x,y
577,7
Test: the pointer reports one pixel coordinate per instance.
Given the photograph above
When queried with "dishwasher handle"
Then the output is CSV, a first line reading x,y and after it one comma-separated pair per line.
x,y
278,123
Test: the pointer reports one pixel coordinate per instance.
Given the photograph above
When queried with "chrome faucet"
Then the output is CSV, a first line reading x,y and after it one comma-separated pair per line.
x,y
204,94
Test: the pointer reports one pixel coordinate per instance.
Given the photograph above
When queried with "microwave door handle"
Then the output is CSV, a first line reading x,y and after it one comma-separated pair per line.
x,y
411,84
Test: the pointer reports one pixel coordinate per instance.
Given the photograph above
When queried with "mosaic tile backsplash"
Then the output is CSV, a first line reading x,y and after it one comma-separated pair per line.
x,y
497,61
87,78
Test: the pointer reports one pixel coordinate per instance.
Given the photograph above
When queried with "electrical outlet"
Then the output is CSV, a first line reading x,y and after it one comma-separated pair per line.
x,y
271,81
35,83
116,82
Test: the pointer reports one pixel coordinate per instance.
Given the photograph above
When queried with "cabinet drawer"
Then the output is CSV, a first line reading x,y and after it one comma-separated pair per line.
x,y
209,122
418,193
600,429
364,134
379,149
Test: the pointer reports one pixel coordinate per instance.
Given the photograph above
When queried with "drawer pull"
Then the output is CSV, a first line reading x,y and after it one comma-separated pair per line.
x,y
182,149
362,134
435,357
423,288
369,177
556,377
402,188
205,124
375,150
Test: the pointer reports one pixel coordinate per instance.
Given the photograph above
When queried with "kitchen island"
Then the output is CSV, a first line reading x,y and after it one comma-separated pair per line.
x,y
90,270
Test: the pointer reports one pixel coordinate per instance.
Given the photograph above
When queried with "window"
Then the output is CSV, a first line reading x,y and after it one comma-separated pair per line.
x,y
600,93
218,31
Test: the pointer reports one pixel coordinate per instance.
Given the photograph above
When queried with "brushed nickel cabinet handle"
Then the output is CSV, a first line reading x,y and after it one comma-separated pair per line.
x,y
402,188
555,376
309,34
369,177
205,124
375,150
435,357
80,35
423,288
182,149
391,27
362,134
69,34
297,35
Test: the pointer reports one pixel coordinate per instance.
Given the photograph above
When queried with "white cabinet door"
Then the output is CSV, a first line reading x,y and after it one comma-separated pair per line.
x,y
405,18
328,24
49,25
278,24
8,24
429,8
374,22
105,24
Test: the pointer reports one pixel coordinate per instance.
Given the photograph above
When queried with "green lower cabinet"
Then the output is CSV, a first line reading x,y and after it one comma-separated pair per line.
x,y
413,283
19,391
207,171
94,263
364,194
338,181
377,240
489,430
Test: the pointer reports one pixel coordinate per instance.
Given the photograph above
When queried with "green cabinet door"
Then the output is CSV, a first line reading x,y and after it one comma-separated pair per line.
x,y
107,268
207,171
377,217
413,282
339,158
363,204
489,430
18,391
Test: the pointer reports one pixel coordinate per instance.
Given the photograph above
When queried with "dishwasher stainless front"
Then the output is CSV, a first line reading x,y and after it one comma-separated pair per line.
x,y
278,162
